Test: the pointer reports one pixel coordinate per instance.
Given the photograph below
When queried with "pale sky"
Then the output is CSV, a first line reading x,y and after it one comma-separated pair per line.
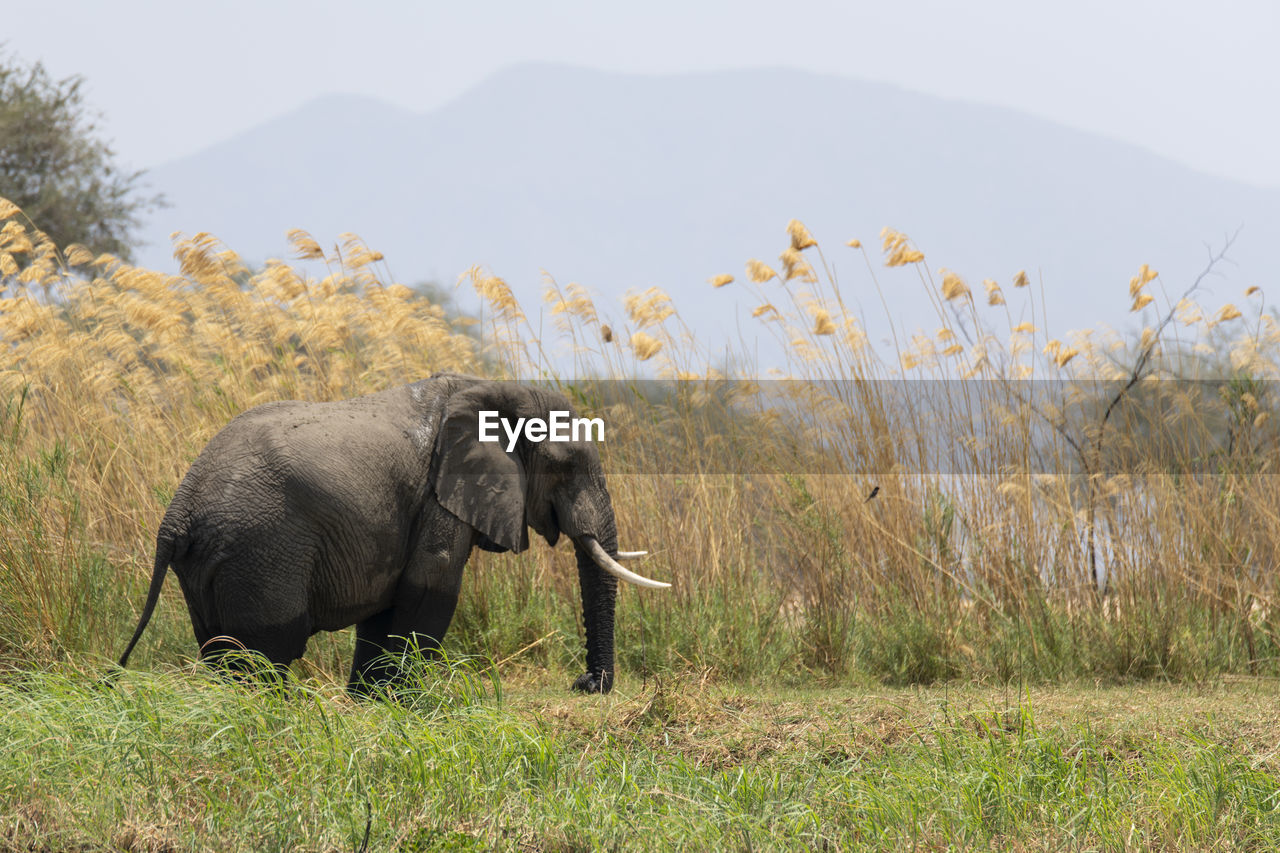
x,y
1195,82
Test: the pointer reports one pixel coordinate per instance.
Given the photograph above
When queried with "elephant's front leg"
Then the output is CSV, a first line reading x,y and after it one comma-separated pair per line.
x,y
371,664
422,608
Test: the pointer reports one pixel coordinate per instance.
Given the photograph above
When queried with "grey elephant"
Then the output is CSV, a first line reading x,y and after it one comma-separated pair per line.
x,y
304,517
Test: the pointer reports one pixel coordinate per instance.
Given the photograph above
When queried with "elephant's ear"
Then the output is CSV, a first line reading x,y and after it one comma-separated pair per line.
x,y
477,481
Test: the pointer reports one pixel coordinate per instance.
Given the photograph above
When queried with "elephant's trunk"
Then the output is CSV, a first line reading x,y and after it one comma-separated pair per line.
x,y
599,597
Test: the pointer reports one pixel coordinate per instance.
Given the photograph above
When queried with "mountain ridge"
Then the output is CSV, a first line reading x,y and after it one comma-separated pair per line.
x,y
625,181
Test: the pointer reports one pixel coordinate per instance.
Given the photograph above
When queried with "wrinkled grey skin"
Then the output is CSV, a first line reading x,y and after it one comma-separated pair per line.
x,y
303,517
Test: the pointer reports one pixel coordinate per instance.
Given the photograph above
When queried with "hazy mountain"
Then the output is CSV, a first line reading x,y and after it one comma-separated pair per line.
x,y
622,182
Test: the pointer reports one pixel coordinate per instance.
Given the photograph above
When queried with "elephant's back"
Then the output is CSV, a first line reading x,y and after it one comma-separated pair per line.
x,y
242,451
329,453
379,421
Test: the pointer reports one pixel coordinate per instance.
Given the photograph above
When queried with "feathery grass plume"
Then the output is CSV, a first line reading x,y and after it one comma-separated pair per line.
x,y
854,243
1227,312
497,293
573,303
720,280
42,268
891,239
649,308
1252,290
1187,312
1245,357
355,254
801,239
1144,276
822,323
8,209
606,333
78,255
854,337
23,318
281,282
195,256
767,308
897,247
305,247
903,257
994,295
14,239
1141,301
645,346
953,286
1020,280
794,266
759,272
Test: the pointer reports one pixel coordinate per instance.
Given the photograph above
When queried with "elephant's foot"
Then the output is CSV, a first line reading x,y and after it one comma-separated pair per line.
x,y
594,682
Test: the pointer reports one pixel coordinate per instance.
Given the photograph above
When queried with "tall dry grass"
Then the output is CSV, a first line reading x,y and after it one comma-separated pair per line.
x,y
1044,506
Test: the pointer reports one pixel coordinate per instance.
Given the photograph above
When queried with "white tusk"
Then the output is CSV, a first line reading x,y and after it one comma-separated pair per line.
x,y
630,555
610,565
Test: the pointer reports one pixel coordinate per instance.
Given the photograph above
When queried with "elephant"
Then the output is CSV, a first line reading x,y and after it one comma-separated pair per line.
x,y
301,517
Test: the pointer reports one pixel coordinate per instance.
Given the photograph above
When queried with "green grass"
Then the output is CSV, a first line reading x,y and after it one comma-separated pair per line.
x,y
179,761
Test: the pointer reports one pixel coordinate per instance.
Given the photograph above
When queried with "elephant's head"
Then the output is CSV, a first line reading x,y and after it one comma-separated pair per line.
x,y
551,486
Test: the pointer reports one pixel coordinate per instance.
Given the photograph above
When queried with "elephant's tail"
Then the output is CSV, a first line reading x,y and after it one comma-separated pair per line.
x,y
164,555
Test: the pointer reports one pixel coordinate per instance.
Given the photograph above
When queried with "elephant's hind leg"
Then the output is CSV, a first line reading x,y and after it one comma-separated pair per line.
x,y
241,661
252,633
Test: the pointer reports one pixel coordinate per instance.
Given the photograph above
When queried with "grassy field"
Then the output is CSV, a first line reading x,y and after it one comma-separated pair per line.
x,y
176,761
808,680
